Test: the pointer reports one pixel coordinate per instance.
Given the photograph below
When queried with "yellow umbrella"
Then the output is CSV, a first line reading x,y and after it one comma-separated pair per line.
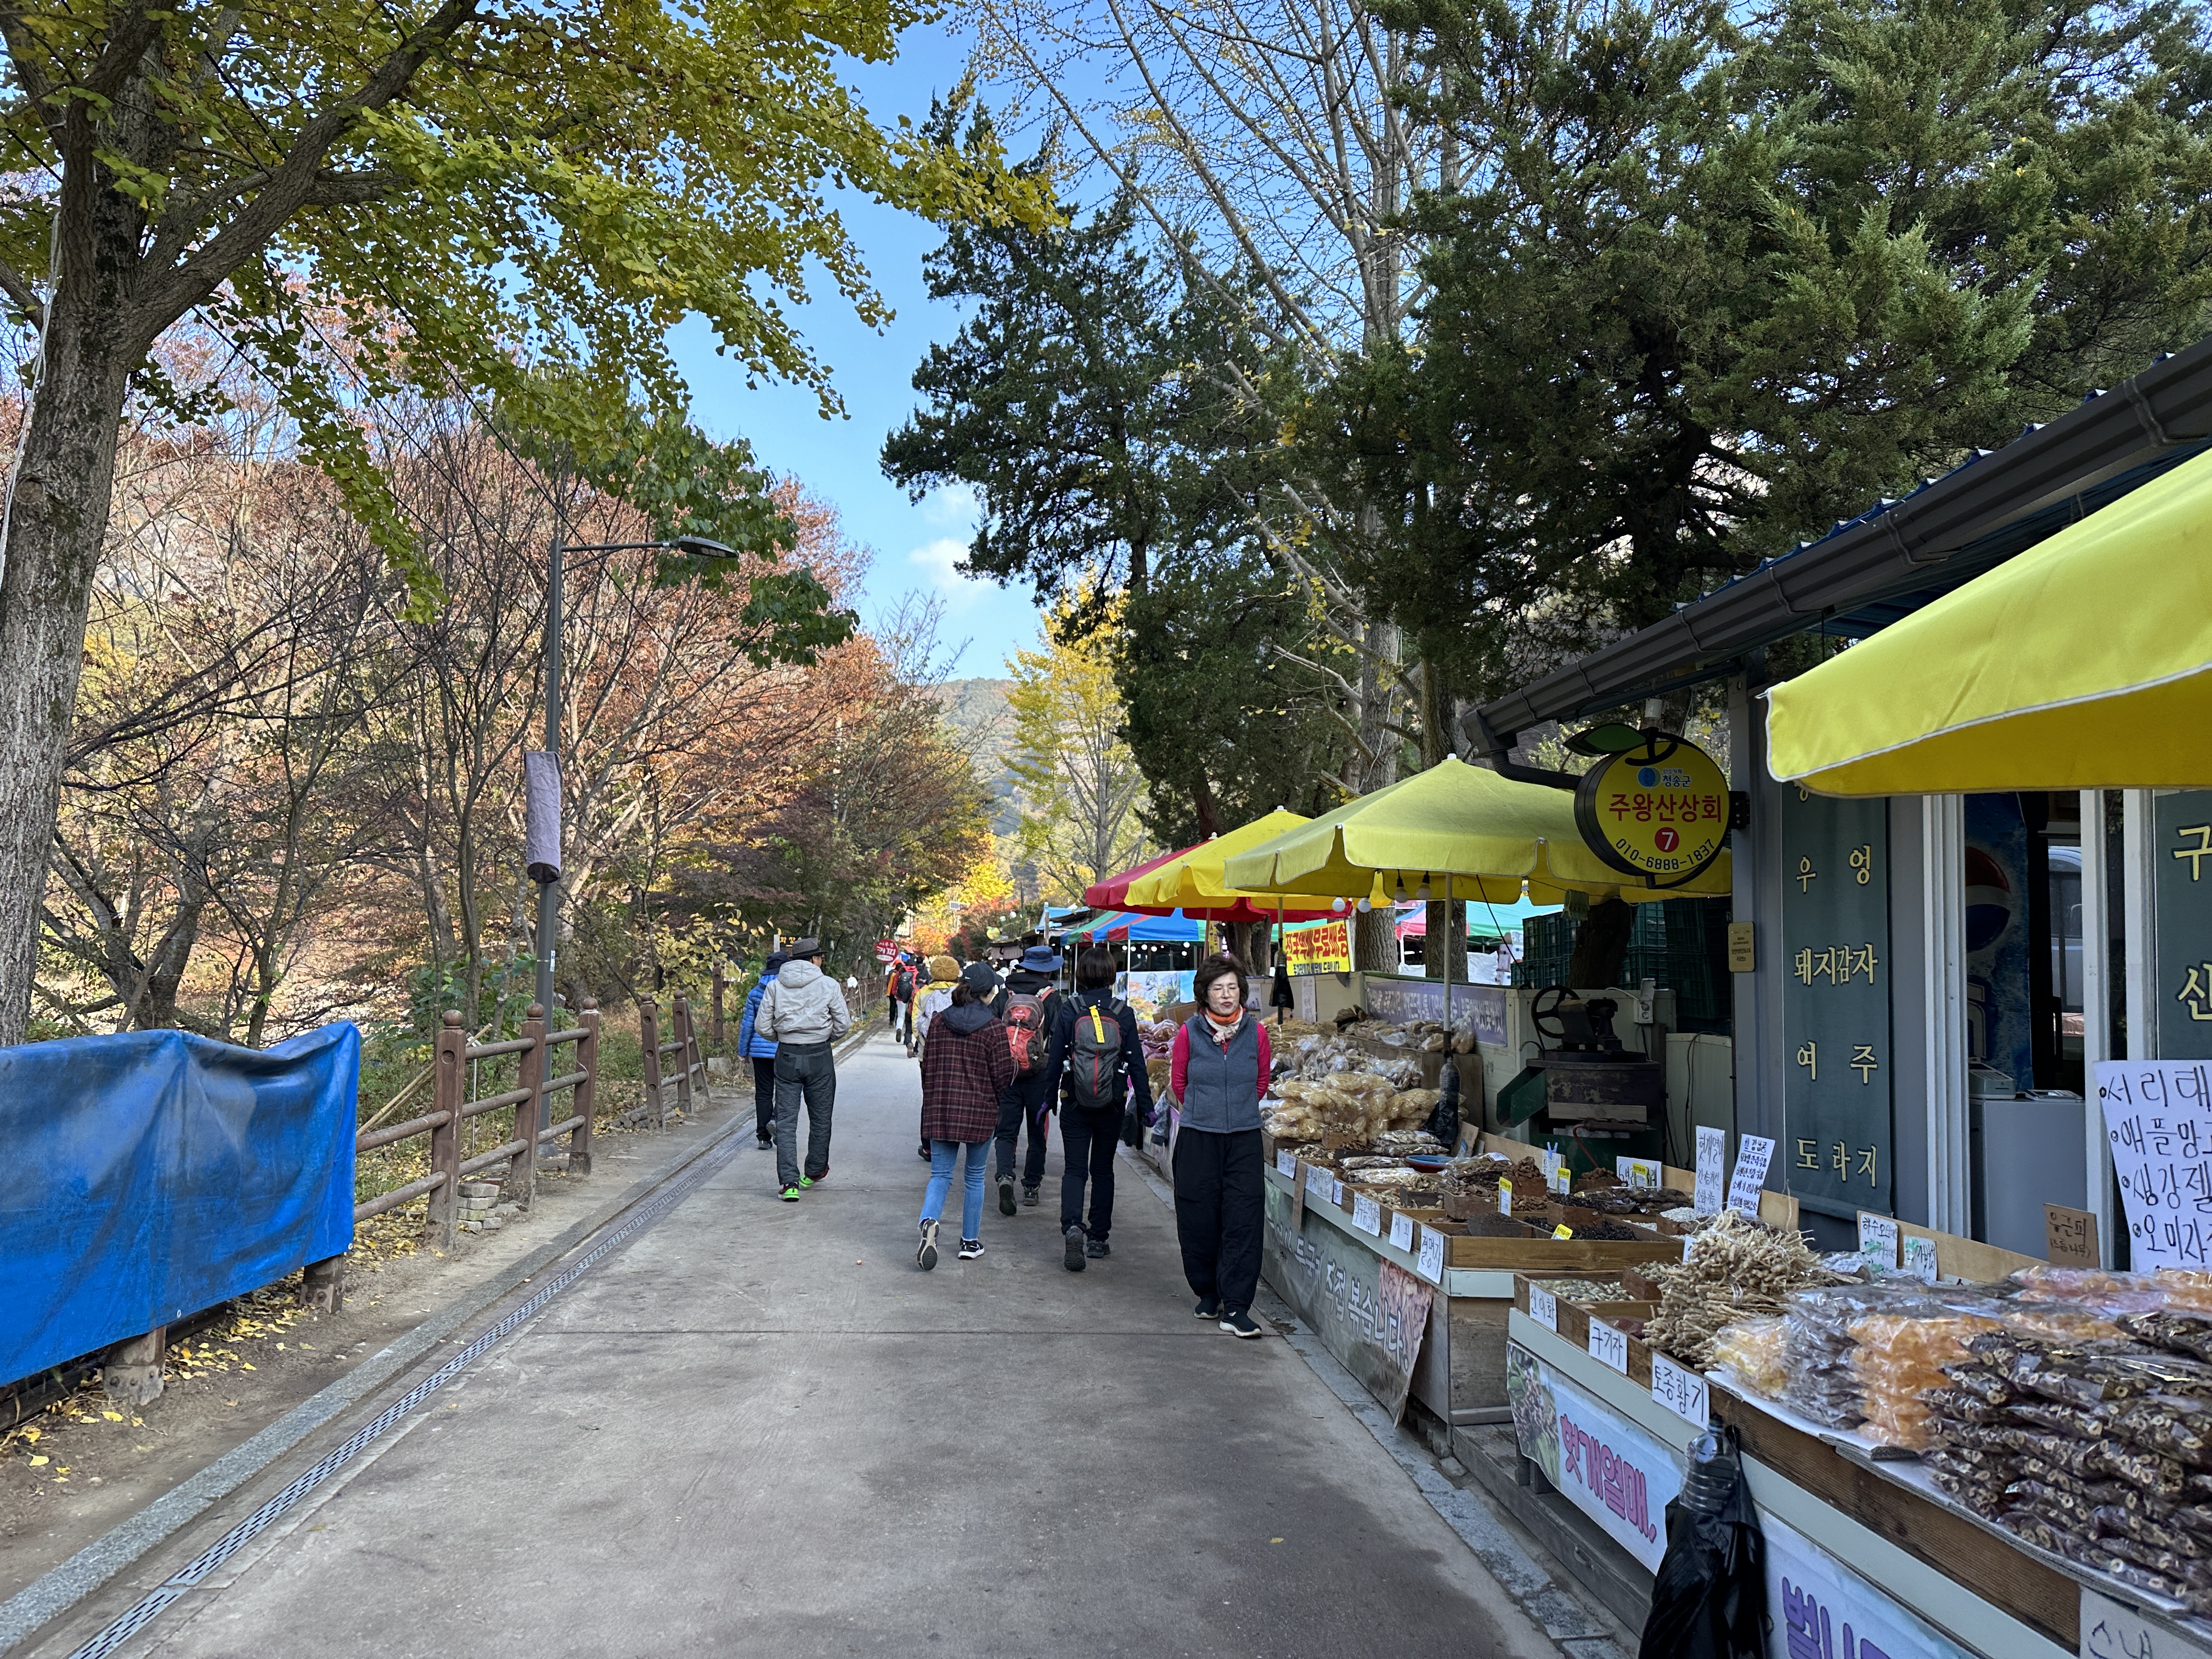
x,y
1485,832
2085,663
1192,881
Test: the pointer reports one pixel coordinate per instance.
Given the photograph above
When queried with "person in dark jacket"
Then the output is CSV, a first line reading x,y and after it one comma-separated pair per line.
x,y
1085,1027
1025,1101
752,1046
1219,1065
965,1069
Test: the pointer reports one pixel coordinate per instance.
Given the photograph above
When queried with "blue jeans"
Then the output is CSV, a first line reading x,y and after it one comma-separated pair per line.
x,y
942,1156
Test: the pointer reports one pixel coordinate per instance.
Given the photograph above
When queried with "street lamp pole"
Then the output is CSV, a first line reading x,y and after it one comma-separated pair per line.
x,y
549,892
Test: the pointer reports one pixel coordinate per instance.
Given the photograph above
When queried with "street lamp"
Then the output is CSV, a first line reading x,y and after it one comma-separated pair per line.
x,y
549,887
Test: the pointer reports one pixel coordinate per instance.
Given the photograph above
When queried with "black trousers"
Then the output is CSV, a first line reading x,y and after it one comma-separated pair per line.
x,y
1087,1141
1023,1102
1218,1213
764,1097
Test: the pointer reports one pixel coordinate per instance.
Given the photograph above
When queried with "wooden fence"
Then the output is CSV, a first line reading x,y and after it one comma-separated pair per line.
x,y
530,1101
690,1068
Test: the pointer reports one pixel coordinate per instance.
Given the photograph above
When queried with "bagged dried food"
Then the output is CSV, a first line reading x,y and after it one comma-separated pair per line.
x,y
1957,1405
2041,1283
2031,1526
2180,1333
1970,1463
2186,1287
2051,1474
2075,1421
2058,1322
1732,1270
2067,1507
2146,1471
1984,1496
1751,1352
2172,1425
2144,1525
2130,1572
2083,1459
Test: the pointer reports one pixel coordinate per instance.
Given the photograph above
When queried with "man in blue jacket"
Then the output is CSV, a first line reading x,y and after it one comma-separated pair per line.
x,y
762,1051
1096,1064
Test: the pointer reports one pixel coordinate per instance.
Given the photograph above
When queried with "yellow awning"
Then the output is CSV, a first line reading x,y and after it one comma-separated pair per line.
x,y
1193,881
2085,663
1488,832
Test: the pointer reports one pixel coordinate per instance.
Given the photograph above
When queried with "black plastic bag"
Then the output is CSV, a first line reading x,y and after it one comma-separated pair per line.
x,y
1709,1600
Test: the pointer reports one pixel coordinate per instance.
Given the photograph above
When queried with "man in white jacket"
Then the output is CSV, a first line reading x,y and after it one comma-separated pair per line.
x,y
803,1013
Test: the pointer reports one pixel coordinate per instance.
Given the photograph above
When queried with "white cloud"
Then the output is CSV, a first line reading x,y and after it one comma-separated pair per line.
x,y
950,505
938,558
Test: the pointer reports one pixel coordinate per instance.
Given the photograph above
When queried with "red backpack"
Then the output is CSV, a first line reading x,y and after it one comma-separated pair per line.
x,y
1026,1019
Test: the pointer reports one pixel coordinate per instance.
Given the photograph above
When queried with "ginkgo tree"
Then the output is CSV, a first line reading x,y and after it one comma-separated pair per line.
x,y
480,191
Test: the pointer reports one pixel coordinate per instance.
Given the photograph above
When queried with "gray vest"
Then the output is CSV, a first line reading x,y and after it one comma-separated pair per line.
x,y
1221,1087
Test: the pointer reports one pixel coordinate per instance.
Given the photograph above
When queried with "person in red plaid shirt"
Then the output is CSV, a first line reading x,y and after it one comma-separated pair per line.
x,y
966,1066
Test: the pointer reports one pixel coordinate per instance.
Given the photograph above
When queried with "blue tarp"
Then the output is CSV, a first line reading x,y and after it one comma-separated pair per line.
x,y
147,1176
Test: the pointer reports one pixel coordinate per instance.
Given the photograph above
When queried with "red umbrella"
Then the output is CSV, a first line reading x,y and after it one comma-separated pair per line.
x,y
1108,895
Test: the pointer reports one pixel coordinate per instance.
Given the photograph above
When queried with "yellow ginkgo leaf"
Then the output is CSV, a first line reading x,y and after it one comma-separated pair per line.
x,y
112,1417
40,1462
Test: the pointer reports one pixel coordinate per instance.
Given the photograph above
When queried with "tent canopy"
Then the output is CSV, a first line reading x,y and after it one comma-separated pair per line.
x,y
1191,881
1123,924
1109,893
1488,832
2085,663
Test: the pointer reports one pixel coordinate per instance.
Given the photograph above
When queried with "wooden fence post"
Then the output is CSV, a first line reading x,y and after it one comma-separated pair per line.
x,y
588,1062
522,1168
448,1094
323,1285
719,1030
648,1036
682,1039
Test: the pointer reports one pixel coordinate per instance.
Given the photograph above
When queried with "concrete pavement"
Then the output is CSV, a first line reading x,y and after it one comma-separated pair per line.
x,y
757,1428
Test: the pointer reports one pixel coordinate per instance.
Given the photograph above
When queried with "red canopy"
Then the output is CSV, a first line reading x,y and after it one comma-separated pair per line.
x,y
1108,895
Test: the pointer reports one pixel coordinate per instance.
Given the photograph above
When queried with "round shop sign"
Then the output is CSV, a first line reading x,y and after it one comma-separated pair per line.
x,y
1660,812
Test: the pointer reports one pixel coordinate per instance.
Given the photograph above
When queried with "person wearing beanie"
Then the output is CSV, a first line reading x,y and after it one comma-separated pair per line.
x,y
1027,1014
752,1046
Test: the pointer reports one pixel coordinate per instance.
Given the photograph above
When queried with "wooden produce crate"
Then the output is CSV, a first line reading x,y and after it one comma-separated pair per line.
x,y
1546,1257
1574,1321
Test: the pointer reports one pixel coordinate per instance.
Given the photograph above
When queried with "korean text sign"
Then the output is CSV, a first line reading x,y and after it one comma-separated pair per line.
x,y
1835,965
1613,1471
2158,1122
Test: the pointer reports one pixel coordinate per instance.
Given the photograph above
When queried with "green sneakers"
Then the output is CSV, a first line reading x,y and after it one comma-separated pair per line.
x,y
791,1194
805,1182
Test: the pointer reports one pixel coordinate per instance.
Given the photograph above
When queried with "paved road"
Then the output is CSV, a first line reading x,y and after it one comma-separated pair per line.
x,y
759,1428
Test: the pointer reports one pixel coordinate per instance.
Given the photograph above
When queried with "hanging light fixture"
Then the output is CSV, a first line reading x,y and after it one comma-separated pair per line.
x,y
1365,905
1422,891
1398,893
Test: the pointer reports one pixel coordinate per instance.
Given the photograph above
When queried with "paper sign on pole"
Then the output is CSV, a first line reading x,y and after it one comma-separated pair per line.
x,y
1712,1154
1753,1154
1878,1238
2158,1122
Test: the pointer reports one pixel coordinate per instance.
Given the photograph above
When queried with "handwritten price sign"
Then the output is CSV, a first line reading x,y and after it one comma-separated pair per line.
x,y
1431,1262
1680,1390
1608,1347
1544,1308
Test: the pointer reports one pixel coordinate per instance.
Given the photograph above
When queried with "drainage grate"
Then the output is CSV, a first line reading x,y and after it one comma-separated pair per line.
x,y
112,1639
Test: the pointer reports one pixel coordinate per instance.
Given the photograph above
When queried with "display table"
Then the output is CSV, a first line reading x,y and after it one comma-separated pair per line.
x,y
1851,1537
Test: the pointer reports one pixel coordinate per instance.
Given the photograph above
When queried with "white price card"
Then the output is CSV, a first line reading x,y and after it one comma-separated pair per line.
x,y
1544,1308
1638,1171
1318,1180
1336,1192
1286,1166
1504,1196
1431,1262
1878,1239
1366,1214
2111,1631
1681,1391
1401,1231
1753,1154
1608,1347
1712,1157
1920,1258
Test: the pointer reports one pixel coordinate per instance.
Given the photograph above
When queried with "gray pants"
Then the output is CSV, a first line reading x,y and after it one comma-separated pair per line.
x,y
802,1069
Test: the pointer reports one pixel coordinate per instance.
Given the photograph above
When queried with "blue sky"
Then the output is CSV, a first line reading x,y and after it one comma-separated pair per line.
x,y
915,544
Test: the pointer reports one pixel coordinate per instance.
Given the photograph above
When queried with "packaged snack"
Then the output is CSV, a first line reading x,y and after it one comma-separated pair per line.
x,y
1982,1383
2129,1520
1954,1405
2146,1471
2130,1572
2072,1421
2169,1425
2180,1333
1752,1350
1984,1498
2062,1507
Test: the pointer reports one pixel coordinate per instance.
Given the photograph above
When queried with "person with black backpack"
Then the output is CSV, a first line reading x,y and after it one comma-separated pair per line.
x,y
1096,1064
1027,1015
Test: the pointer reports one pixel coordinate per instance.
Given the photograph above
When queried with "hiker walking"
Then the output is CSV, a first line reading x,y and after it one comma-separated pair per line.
x,y
966,1068
1027,1017
1220,1064
1096,1064
761,1051
802,1014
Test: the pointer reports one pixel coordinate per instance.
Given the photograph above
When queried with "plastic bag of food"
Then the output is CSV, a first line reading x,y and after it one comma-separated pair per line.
x,y
2146,1471
2172,1425
1751,1351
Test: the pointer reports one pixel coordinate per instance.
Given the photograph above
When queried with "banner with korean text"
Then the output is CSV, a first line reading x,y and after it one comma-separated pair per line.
x,y
1612,1471
2158,1122
1318,947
